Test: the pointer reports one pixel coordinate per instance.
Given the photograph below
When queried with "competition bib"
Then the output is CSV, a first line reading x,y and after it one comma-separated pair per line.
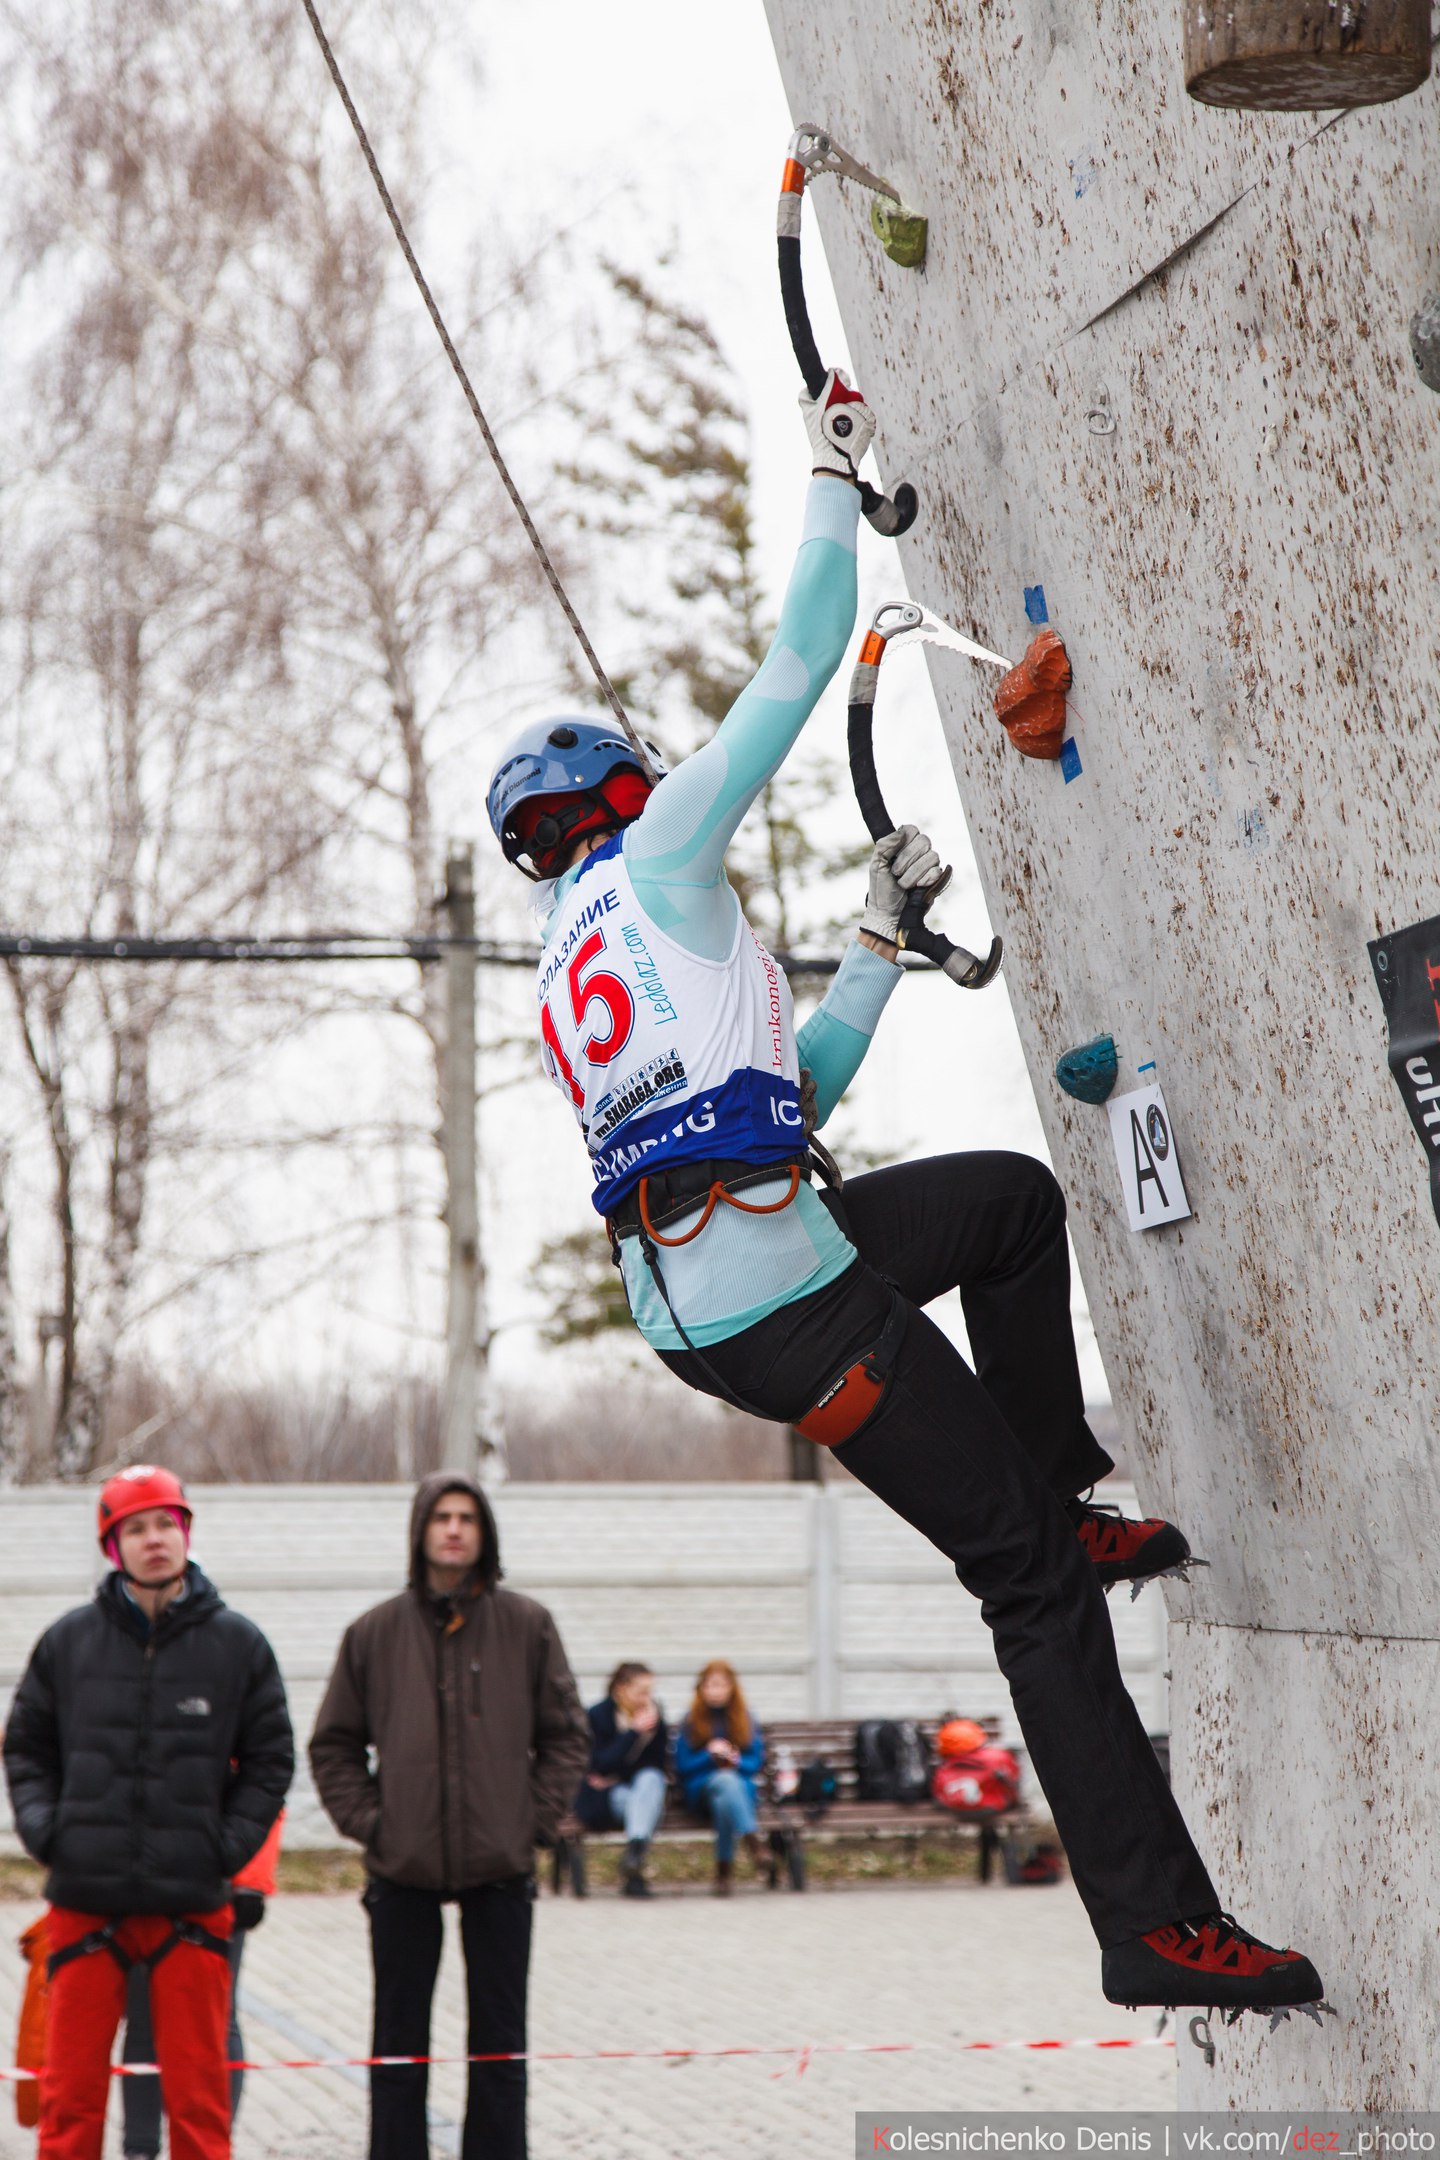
x,y
665,1057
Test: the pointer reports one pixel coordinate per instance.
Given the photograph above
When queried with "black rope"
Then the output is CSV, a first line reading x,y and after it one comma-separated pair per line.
x,y
474,403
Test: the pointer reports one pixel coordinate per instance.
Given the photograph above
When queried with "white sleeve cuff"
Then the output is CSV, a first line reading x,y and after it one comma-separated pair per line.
x,y
832,512
861,988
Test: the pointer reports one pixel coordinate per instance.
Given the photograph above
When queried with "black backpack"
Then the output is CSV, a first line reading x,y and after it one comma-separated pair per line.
x,y
817,1787
892,1761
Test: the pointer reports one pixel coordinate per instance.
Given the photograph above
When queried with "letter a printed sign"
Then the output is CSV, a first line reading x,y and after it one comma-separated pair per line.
x,y
1145,1151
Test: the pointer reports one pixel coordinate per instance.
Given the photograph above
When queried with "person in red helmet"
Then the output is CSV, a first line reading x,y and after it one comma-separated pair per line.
x,y
147,1752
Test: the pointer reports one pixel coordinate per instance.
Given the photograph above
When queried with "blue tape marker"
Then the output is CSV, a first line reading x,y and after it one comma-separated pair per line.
x,y
1035,606
1070,759
1146,1068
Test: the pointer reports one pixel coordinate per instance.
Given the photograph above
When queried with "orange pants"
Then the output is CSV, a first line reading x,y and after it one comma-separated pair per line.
x,y
190,2012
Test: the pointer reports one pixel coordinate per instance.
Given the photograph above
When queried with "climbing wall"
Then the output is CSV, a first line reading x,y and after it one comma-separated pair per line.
x,y
1155,377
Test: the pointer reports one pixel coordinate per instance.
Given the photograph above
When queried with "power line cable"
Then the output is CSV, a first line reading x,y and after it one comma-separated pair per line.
x,y
419,946
473,402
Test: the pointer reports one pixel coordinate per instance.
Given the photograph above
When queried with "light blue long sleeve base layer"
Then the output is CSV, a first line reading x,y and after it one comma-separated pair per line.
x,y
740,1269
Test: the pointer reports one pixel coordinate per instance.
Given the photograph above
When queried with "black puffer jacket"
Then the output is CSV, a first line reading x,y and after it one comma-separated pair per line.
x,y
146,1766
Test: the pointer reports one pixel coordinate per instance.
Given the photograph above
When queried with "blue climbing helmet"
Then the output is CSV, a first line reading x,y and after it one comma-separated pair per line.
x,y
559,780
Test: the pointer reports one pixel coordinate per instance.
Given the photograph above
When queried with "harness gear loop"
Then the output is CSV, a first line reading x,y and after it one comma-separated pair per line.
x,y
715,1196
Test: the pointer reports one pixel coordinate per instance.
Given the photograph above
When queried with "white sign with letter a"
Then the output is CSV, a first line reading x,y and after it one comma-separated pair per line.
x,y
1145,1151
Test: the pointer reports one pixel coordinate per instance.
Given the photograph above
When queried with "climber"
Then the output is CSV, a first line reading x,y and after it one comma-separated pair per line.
x,y
670,1029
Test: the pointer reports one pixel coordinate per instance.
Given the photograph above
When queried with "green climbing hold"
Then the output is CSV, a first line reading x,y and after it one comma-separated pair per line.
x,y
901,232
1089,1072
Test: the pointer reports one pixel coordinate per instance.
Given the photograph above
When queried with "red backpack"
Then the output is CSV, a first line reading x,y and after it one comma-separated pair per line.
x,y
985,1782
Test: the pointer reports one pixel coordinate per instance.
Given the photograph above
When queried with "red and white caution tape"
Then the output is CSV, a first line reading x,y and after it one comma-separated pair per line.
x,y
801,2055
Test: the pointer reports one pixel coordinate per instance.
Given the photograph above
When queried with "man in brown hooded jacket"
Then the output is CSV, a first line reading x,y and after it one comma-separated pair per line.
x,y
463,1692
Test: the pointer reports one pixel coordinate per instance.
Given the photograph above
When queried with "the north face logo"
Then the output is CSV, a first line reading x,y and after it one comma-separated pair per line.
x,y
193,1706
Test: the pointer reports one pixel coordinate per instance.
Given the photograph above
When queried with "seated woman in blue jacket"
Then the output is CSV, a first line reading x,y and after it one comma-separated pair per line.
x,y
625,1783
718,1753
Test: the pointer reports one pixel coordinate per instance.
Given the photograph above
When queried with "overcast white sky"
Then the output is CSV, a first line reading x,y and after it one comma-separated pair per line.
x,y
669,130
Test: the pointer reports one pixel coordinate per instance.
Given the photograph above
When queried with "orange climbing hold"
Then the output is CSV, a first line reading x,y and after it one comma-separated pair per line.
x,y
1030,703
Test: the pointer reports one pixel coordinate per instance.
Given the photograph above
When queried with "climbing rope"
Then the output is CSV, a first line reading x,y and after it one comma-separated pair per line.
x,y
646,765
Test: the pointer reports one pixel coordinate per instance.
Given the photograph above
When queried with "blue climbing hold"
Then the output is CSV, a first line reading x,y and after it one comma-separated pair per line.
x,y
1089,1072
1035,607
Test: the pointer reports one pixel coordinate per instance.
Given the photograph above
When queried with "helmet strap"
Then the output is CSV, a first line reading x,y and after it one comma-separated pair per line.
x,y
573,812
112,1554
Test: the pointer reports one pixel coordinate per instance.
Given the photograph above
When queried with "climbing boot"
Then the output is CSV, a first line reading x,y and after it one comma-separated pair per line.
x,y
632,1870
1207,1963
1124,1549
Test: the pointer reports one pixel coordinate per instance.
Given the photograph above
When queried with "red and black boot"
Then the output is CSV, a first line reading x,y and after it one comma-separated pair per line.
x,y
1207,1963
1126,1550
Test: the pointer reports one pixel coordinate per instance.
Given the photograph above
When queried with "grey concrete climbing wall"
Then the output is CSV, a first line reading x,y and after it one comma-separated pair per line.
x,y
1158,364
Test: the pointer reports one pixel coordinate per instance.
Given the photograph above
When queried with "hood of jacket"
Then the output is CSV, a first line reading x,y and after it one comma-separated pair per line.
x,y
427,1492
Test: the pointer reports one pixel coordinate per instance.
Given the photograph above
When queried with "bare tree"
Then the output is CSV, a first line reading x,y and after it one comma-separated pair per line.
x,y
157,786
265,594
12,1407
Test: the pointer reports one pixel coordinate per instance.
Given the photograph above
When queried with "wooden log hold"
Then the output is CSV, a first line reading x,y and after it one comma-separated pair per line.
x,y
1300,55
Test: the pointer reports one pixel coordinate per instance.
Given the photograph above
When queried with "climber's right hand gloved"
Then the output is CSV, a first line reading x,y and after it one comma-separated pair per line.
x,y
902,862
840,425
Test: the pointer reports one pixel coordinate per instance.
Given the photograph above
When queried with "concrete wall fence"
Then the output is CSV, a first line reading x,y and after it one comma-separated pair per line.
x,y
827,1604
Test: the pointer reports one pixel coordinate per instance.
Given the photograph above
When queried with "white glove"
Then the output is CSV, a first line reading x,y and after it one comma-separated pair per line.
x,y
840,425
902,863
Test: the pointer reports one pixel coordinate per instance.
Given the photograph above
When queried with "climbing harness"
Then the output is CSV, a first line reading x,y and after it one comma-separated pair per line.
x,y
812,151
551,573
852,1396
903,623
104,1938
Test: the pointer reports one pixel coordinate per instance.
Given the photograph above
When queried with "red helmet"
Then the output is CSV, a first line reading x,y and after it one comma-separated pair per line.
x,y
131,1491
959,1736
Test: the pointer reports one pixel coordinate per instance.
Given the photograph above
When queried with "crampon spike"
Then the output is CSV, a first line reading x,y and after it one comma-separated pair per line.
x,y
1180,1569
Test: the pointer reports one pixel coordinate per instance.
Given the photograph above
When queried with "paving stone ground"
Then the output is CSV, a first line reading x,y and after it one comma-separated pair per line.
x,y
935,1964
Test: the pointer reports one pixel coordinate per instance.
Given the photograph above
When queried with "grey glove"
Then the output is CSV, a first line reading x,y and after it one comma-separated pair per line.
x,y
840,425
902,863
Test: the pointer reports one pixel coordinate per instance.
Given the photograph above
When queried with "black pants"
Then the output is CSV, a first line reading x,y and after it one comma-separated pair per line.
x,y
405,1936
140,2096
980,1462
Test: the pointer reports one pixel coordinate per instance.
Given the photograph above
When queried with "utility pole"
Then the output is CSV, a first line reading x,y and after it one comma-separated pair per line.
x,y
471,1426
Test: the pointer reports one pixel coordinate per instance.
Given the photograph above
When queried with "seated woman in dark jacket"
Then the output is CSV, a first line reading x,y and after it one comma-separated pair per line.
x,y
625,1783
718,1753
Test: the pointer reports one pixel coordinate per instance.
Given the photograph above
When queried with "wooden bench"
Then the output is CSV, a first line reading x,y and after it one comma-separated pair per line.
x,y
785,1826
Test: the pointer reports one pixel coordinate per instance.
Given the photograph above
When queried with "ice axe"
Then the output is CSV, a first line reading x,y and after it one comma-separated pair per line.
x,y
903,623
902,234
